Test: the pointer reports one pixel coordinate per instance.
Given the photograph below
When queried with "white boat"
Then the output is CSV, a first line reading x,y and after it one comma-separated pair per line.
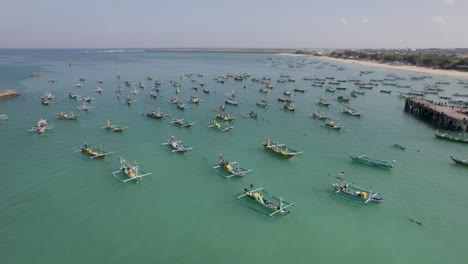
x,y
41,126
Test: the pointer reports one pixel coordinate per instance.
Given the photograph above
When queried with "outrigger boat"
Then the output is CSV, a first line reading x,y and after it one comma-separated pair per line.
x,y
373,162
48,96
156,115
398,146
350,111
114,128
194,100
177,146
41,126
332,124
262,103
182,123
353,193
457,138
343,99
84,107
273,204
91,152
233,168
181,105
130,172
323,102
460,162
65,116
319,115
289,107
218,126
224,117
280,149
251,114
45,101
72,95
231,101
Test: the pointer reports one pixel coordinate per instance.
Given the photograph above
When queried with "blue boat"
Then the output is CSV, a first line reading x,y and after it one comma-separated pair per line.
x,y
374,162
351,192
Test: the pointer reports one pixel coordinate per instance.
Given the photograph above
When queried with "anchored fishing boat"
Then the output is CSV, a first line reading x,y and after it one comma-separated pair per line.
x,y
177,146
398,146
288,106
84,107
219,126
233,168
114,128
41,126
319,115
351,192
332,124
280,149
45,101
92,152
350,111
343,98
65,116
224,117
156,114
129,172
452,137
460,162
194,100
323,102
373,162
265,200
231,101
182,123
262,103
250,114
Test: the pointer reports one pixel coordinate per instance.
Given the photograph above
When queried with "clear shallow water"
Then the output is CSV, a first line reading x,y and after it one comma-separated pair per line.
x,y
58,207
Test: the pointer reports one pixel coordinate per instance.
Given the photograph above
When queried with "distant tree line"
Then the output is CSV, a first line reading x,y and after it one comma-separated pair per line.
x,y
418,59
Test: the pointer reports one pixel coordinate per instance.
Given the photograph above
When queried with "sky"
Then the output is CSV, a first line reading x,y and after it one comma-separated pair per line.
x,y
292,24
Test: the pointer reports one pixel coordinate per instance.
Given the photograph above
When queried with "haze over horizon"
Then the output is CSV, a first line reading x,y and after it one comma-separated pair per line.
x,y
234,24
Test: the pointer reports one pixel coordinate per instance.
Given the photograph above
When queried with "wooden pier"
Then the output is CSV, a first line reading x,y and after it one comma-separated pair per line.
x,y
443,116
7,94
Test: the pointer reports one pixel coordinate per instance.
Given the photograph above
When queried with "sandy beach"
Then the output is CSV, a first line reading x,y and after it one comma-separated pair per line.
x,y
450,73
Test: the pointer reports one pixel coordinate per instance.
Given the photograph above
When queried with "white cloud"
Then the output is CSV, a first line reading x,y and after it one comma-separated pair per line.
x,y
447,2
343,21
364,20
439,19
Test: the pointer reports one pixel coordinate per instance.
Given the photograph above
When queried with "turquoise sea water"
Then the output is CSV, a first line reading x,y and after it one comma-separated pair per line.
x,y
58,207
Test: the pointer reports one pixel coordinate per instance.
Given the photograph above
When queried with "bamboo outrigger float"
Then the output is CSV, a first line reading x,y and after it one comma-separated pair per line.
x,y
280,149
92,152
273,205
129,172
373,162
353,193
231,167
177,146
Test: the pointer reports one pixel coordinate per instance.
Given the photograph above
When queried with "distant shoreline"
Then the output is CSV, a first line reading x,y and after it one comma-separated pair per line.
x,y
451,73
232,50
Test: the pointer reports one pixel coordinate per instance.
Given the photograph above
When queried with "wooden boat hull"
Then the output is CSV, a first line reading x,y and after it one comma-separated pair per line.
x,y
454,138
359,197
368,161
460,162
279,153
